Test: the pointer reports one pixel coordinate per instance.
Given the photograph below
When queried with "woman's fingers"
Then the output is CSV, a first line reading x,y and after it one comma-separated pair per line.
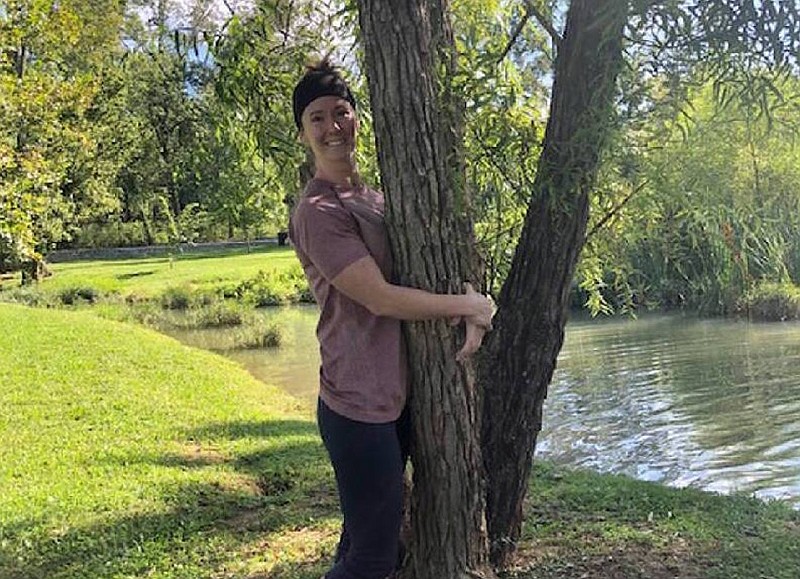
x,y
472,341
484,307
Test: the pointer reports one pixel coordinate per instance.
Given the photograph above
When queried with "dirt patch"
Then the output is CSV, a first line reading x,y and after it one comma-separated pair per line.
x,y
631,561
197,455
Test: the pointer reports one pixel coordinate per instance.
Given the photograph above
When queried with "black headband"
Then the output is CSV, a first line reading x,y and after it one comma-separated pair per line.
x,y
315,84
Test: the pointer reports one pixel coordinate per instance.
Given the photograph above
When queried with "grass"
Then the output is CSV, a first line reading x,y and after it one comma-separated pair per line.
x,y
268,276
126,454
583,524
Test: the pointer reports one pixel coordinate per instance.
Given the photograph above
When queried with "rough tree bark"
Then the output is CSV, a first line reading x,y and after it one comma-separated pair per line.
x,y
418,130
519,357
408,48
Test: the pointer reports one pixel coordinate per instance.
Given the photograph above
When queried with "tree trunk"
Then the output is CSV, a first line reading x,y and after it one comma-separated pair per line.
x,y
417,122
518,360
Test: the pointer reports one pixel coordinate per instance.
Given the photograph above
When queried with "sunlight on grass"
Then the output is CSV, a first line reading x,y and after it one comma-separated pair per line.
x,y
125,453
152,275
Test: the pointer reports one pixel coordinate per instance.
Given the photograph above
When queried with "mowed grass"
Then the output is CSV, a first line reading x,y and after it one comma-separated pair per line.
x,y
150,276
126,454
583,524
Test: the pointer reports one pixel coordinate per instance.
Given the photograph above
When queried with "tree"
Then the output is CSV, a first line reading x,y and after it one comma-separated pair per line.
x,y
52,171
411,66
419,121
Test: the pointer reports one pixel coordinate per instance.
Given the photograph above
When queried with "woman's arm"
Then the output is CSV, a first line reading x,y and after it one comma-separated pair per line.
x,y
363,282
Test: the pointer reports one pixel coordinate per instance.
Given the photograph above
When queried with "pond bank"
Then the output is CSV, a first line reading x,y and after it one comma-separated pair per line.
x,y
188,467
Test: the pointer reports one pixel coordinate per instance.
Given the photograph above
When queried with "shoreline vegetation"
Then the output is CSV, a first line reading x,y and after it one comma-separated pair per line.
x,y
202,290
135,456
219,284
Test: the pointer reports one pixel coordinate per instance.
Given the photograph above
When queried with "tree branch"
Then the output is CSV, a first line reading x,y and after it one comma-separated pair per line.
x,y
515,35
530,10
607,217
545,23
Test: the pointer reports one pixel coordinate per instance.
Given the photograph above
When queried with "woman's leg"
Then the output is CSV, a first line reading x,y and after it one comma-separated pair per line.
x,y
368,463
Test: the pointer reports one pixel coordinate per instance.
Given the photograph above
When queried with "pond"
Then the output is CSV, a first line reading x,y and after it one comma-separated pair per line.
x,y
713,404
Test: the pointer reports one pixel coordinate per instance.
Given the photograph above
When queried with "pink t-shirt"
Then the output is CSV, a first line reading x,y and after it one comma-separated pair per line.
x,y
363,373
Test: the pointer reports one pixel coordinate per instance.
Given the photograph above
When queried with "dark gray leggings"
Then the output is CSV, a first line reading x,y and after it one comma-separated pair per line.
x,y
369,460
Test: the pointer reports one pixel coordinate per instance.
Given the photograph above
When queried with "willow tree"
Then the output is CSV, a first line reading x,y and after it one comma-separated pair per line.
x,y
475,428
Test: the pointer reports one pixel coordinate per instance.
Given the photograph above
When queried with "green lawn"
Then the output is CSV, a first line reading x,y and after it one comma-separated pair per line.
x,y
150,276
267,276
126,454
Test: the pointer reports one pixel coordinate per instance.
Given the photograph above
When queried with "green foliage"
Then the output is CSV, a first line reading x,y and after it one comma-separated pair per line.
x,y
54,175
258,336
772,302
178,298
697,210
271,288
504,99
74,295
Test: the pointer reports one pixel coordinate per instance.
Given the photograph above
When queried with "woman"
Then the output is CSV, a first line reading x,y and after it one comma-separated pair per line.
x,y
338,232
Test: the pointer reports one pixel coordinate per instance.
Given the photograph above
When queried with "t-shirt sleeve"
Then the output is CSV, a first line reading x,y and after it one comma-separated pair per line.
x,y
328,235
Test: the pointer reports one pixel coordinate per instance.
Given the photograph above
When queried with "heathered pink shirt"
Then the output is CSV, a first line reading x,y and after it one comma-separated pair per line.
x,y
363,373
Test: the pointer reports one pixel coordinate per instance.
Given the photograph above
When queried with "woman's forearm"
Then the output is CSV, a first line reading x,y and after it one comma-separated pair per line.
x,y
407,303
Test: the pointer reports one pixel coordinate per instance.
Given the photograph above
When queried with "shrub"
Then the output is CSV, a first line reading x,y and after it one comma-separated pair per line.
x,y
176,298
773,302
72,295
259,337
270,288
218,315
110,234
26,295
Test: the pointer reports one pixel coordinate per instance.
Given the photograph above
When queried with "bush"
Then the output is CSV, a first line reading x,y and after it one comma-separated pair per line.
x,y
773,302
259,337
176,298
269,288
111,234
73,295
26,295
216,315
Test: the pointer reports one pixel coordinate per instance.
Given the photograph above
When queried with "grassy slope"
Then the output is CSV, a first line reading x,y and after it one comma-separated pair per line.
x,y
126,454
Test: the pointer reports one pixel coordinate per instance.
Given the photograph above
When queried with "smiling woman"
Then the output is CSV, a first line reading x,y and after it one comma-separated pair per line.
x,y
341,241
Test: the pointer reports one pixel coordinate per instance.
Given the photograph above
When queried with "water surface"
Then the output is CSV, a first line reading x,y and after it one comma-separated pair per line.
x,y
685,402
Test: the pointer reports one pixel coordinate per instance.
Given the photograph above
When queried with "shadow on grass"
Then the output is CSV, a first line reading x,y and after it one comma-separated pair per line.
x,y
124,276
583,524
279,483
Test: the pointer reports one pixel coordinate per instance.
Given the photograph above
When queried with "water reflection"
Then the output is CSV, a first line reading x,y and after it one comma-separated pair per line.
x,y
681,401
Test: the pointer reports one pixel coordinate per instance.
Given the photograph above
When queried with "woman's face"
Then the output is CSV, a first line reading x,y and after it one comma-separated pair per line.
x,y
330,127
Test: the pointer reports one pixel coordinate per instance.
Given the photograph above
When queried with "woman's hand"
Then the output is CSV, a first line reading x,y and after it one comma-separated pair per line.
x,y
472,342
477,324
482,308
